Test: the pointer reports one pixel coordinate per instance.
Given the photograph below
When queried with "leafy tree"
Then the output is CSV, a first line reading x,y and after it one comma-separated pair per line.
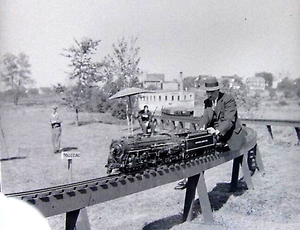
x,y
121,68
289,87
272,93
297,86
244,102
16,73
33,92
285,84
189,82
83,75
267,76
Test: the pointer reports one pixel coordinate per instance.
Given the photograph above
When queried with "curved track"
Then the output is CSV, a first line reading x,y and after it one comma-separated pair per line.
x,y
68,197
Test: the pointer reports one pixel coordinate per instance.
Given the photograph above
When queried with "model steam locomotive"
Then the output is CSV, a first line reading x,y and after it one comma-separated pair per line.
x,y
136,153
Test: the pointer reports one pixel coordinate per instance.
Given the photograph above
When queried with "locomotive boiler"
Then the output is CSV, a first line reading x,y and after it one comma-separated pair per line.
x,y
136,153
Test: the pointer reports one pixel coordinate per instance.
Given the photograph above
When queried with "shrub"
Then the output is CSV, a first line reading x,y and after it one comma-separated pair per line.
x,y
98,102
282,103
118,110
288,94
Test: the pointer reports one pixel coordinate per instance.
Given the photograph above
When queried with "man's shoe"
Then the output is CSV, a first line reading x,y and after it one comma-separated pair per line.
x,y
181,185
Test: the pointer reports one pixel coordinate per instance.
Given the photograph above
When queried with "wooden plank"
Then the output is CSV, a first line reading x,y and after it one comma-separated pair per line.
x,y
192,127
83,221
246,172
270,131
298,135
71,219
190,197
259,161
235,173
204,200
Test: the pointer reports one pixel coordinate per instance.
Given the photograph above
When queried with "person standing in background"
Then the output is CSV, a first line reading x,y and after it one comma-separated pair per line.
x,y
55,122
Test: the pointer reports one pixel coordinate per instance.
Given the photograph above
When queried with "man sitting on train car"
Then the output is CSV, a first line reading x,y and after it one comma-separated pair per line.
x,y
145,119
220,118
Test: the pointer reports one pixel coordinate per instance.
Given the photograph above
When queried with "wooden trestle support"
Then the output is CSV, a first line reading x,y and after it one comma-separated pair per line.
x,y
71,198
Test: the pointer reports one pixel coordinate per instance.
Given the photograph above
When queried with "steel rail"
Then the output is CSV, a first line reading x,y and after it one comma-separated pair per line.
x,y
61,188
267,122
196,120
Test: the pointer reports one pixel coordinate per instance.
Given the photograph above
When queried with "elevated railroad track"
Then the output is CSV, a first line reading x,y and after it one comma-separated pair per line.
x,y
71,198
179,122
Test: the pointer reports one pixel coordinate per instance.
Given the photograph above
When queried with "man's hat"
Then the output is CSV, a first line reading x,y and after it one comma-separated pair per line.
x,y
211,84
54,107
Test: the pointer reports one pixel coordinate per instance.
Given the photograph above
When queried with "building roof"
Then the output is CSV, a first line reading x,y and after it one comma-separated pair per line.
x,y
155,77
231,77
255,79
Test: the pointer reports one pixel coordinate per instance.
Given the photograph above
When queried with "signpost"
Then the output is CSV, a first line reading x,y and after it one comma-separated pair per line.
x,y
77,219
70,155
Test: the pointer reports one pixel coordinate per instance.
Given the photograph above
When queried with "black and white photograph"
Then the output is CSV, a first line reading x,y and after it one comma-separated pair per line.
x,y
149,115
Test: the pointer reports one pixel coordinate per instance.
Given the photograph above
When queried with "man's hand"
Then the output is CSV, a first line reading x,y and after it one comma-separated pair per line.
x,y
211,130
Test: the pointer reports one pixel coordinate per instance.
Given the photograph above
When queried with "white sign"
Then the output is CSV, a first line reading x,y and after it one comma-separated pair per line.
x,y
70,155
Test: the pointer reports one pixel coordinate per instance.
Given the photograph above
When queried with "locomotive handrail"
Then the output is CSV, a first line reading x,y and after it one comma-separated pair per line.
x,y
75,196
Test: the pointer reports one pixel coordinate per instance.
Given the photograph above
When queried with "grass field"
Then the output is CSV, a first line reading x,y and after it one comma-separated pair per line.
x,y
273,204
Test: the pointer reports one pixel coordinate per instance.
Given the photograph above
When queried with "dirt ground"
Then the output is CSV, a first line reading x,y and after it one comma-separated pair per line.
x,y
274,203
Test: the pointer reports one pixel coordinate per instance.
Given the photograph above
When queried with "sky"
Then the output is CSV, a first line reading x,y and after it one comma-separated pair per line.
x,y
201,37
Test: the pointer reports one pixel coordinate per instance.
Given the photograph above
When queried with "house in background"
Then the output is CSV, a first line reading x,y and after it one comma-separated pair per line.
x,y
154,81
169,94
158,99
171,85
256,84
233,81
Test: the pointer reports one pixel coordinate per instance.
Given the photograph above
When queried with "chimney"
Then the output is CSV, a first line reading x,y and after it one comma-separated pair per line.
x,y
181,82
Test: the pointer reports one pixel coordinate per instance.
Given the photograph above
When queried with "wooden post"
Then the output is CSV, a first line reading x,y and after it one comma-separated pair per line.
x,y
204,200
241,160
77,220
270,131
235,173
162,122
71,219
259,161
246,172
70,170
173,126
190,197
181,126
192,127
197,181
298,134
83,221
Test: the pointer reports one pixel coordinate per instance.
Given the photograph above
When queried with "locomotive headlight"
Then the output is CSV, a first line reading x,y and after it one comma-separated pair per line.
x,y
116,148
